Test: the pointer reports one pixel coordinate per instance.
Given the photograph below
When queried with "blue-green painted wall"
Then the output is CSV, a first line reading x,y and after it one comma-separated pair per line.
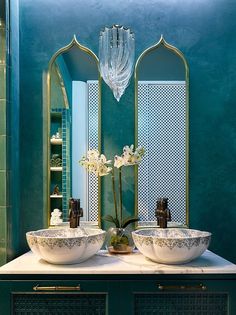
x,y
204,31
13,126
3,133
9,130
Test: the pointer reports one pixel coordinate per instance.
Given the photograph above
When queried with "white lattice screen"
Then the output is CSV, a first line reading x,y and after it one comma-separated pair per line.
x,y
162,132
93,106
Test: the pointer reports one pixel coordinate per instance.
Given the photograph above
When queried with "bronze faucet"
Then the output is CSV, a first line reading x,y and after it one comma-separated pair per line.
x,y
162,213
75,212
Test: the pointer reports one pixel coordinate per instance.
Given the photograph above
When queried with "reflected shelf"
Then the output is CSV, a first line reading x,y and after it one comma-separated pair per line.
x,y
56,141
56,196
56,168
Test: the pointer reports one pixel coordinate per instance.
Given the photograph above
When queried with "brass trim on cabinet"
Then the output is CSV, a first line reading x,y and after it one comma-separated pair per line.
x,y
74,42
180,54
57,288
199,287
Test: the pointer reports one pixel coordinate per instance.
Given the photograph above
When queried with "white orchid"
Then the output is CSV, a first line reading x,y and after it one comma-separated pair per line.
x,y
92,155
98,165
103,170
129,156
118,161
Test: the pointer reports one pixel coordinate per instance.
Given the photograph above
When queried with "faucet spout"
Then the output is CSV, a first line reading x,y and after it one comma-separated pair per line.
x,y
162,213
75,212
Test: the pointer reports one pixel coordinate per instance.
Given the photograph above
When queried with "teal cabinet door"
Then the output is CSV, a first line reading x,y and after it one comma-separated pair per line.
x,y
119,296
61,297
184,297
54,297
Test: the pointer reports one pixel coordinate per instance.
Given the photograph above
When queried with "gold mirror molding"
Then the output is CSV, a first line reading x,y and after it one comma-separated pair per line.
x,y
51,65
175,51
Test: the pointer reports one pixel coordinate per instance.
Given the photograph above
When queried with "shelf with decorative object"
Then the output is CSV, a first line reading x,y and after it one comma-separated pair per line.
x,y
56,196
56,168
55,141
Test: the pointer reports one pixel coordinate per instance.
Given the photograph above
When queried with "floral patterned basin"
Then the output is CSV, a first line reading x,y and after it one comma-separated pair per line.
x,y
171,246
66,245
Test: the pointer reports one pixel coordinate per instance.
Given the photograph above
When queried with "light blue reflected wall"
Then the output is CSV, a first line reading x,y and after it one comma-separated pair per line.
x,y
79,141
204,31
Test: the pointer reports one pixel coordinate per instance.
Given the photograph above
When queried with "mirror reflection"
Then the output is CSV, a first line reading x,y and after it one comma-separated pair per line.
x,y
161,76
73,101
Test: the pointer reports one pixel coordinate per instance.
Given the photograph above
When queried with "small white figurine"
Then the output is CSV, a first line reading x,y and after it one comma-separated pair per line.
x,y
56,217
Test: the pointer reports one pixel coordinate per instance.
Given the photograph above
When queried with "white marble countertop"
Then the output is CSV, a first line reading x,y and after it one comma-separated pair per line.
x,y
104,263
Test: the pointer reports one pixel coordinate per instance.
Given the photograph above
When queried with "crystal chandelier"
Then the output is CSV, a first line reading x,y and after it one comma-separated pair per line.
x,y
116,58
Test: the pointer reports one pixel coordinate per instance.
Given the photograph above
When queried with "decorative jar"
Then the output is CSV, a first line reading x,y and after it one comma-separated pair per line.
x,y
119,241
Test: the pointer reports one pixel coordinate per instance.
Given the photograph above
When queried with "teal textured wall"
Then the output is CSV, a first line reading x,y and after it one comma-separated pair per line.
x,y
3,135
9,130
204,31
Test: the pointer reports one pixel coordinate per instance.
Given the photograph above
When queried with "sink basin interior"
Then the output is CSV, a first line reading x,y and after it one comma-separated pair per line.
x,y
177,233
66,245
65,232
171,246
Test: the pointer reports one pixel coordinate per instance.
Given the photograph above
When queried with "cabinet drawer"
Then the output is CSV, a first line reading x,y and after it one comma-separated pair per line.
x,y
183,297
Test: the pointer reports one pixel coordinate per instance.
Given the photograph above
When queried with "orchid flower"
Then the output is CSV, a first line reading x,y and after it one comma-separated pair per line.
x,y
98,165
118,161
129,156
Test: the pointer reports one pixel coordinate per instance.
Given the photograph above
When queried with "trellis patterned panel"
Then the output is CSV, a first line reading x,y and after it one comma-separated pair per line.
x,y
162,132
93,114
59,304
184,303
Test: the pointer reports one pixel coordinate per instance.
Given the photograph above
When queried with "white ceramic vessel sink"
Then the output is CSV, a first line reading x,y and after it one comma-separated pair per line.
x,y
66,246
171,246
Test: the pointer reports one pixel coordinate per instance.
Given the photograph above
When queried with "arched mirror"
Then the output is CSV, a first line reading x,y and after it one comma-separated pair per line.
x,y
161,102
73,101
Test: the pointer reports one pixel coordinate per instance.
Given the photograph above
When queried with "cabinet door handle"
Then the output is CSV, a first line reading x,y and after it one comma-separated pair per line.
x,y
199,287
56,288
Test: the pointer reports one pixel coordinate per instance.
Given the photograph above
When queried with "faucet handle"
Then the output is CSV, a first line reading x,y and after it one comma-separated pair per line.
x,y
80,212
162,203
168,215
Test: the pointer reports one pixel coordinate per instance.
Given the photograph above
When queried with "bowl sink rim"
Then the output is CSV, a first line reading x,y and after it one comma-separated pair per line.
x,y
201,234
34,233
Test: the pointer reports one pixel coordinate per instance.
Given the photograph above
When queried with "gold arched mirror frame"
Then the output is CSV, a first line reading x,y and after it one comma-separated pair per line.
x,y
72,44
162,43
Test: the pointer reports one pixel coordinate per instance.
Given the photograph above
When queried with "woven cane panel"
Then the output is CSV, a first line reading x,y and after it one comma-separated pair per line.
x,y
181,304
59,304
162,132
93,95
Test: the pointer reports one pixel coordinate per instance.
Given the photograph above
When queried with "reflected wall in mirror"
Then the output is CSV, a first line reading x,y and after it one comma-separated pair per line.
x,y
73,100
161,109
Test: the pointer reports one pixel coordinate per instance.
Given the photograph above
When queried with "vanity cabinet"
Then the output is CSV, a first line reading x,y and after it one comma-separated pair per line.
x,y
113,296
118,285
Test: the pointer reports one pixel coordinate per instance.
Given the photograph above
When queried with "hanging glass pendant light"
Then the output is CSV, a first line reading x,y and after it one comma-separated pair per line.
x,y
116,58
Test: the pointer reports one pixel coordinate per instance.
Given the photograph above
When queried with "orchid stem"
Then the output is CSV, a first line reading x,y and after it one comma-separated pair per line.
x,y
114,193
120,191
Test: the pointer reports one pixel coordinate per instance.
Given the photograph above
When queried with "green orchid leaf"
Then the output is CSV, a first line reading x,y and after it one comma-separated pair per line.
x,y
129,220
110,218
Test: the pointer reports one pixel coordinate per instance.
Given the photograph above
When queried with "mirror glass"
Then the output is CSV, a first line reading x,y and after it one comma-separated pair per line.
x,y
161,78
74,105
